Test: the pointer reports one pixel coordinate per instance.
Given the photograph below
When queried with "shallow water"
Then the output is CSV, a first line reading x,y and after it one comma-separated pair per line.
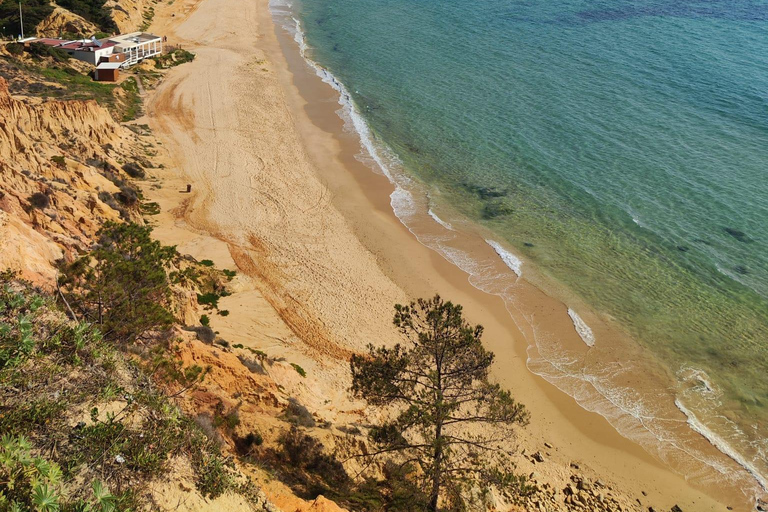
x,y
620,147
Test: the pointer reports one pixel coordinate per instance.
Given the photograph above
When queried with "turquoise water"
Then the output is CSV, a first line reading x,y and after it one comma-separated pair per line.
x,y
621,146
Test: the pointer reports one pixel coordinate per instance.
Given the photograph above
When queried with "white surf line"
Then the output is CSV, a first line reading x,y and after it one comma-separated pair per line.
x,y
513,262
585,333
439,220
720,443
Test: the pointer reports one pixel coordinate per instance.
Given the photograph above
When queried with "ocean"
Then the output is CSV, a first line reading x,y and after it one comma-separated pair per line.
x,y
617,148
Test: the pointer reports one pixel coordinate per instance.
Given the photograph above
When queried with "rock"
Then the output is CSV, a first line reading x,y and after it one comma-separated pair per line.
x,y
547,445
574,465
676,508
538,457
644,493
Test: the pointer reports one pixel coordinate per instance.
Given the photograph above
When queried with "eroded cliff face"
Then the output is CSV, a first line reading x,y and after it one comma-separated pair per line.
x,y
59,177
130,15
62,21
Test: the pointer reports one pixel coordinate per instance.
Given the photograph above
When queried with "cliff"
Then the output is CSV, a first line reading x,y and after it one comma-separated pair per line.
x,y
62,21
130,15
59,179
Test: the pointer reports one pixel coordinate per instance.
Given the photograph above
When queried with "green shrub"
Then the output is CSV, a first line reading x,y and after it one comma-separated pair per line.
x,y
245,445
28,482
15,48
229,273
151,208
224,312
204,320
207,263
208,299
214,476
174,58
92,10
43,50
59,161
299,369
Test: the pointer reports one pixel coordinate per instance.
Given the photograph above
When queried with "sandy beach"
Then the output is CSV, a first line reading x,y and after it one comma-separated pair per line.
x,y
278,195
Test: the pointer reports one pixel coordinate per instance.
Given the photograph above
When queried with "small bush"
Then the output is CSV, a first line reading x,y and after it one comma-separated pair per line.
x,y
229,273
128,195
245,445
314,471
224,312
259,353
298,414
208,299
207,263
252,366
205,334
40,200
214,477
205,321
59,161
134,170
15,48
150,208
299,369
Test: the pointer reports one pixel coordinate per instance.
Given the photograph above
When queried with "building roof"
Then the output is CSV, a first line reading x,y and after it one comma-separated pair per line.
x,y
134,38
109,65
86,46
49,41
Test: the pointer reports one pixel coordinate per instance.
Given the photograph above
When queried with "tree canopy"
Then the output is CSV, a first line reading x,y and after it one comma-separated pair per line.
x,y
34,12
445,419
122,284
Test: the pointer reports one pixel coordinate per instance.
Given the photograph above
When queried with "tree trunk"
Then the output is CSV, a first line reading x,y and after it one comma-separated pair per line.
x,y
436,470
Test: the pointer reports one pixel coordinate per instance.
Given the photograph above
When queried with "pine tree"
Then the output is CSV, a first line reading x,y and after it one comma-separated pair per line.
x,y
122,285
447,418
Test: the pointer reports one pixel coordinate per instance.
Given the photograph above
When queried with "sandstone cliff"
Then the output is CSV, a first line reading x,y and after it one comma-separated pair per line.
x,y
62,21
59,179
130,15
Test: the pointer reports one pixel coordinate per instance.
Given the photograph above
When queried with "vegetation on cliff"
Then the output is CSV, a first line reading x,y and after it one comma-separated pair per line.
x,y
84,416
93,11
122,285
46,72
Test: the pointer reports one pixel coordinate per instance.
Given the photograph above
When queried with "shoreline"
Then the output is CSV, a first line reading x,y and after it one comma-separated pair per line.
x,y
347,186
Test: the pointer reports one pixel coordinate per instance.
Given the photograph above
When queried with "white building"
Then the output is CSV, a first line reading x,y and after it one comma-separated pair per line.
x,y
136,46
90,51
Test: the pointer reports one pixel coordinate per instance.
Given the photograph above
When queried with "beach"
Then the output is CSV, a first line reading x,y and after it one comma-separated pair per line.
x,y
279,195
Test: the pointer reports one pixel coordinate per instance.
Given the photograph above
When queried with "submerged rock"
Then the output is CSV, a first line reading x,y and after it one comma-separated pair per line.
x,y
738,235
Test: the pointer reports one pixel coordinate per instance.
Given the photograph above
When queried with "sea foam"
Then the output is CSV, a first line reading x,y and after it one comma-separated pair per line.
x,y
513,262
439,220
585,333
720,443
